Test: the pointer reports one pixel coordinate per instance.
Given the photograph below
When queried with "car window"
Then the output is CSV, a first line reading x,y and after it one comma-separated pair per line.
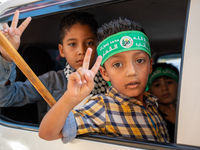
x,y
165,29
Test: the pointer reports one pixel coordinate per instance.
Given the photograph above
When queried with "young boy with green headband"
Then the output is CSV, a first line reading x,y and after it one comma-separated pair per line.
x,y
163,83
126,110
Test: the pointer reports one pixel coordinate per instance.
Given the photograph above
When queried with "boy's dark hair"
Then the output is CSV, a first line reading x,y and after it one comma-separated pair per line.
x,y
165,65
84,18
117,25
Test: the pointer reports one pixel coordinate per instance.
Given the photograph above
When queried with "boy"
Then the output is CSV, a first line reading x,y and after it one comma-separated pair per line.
x,y
163,83
77,33
125,110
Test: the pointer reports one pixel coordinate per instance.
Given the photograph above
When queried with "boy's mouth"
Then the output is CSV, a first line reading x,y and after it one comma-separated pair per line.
x,y
80,61
165,95
132,84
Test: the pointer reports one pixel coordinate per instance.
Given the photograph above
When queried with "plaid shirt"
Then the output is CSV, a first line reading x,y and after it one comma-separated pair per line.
x,y
119,115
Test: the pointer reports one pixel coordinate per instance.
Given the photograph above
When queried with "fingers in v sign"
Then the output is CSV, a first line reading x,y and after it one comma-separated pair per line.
x,y
13,34
86,74
23,26
86,61
13,28
81,82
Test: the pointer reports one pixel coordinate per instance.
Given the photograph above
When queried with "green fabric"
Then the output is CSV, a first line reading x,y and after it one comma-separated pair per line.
x,y
121,42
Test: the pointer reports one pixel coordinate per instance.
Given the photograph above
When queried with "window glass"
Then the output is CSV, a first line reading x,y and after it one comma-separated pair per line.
x,y
174,59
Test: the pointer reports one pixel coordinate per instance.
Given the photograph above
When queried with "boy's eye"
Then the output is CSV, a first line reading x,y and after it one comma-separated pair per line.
x,y
140,60
156,85
170,81
90,43
72,44
117,65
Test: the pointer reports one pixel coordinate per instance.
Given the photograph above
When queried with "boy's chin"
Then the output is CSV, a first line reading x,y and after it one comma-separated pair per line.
x,y
166,101
76,66
133,94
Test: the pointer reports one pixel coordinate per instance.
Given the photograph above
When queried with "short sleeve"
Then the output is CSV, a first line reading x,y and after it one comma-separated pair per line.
x,y
69,129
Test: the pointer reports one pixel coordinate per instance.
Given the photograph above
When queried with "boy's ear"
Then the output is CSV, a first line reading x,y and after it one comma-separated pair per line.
x,y
151,67
104,73
60,48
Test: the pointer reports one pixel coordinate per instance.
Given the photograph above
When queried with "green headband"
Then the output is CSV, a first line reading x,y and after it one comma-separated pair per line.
x,y
121,42
161,72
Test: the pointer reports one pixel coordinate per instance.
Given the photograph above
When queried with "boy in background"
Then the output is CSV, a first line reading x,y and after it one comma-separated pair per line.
x,y
77,33
125,110
163,83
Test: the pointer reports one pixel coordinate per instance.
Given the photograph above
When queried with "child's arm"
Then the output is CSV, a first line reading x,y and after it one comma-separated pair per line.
x,y
13,34
80,85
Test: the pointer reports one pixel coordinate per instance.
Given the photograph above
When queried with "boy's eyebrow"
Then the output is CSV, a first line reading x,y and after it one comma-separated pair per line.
x,y
164,77
116,56
73,39
157,80
93,38
137,53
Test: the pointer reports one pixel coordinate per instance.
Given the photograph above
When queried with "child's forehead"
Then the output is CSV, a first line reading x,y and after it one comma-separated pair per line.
x,y
77,25
133,53
78,30
162,78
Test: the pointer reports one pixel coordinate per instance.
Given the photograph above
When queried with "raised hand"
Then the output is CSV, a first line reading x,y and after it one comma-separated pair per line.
x,y
81,82
170,114
13,34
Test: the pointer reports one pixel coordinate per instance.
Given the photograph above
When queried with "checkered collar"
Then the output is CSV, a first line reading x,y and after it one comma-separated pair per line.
x,y
148,98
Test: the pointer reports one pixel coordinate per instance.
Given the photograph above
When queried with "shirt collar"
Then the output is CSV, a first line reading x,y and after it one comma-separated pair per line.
x,y
148,98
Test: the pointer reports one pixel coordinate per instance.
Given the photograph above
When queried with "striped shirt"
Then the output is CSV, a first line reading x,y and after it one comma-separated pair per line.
x,y
120,115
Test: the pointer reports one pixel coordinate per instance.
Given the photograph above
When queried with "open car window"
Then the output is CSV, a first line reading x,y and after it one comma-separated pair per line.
x,y
165,22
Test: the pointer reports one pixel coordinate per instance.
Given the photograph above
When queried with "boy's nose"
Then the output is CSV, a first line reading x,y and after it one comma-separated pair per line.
x,y
131,70
82,49
164,86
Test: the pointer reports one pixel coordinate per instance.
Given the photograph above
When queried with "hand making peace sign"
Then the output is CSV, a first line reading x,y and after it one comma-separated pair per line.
x,y
13,34
81,82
